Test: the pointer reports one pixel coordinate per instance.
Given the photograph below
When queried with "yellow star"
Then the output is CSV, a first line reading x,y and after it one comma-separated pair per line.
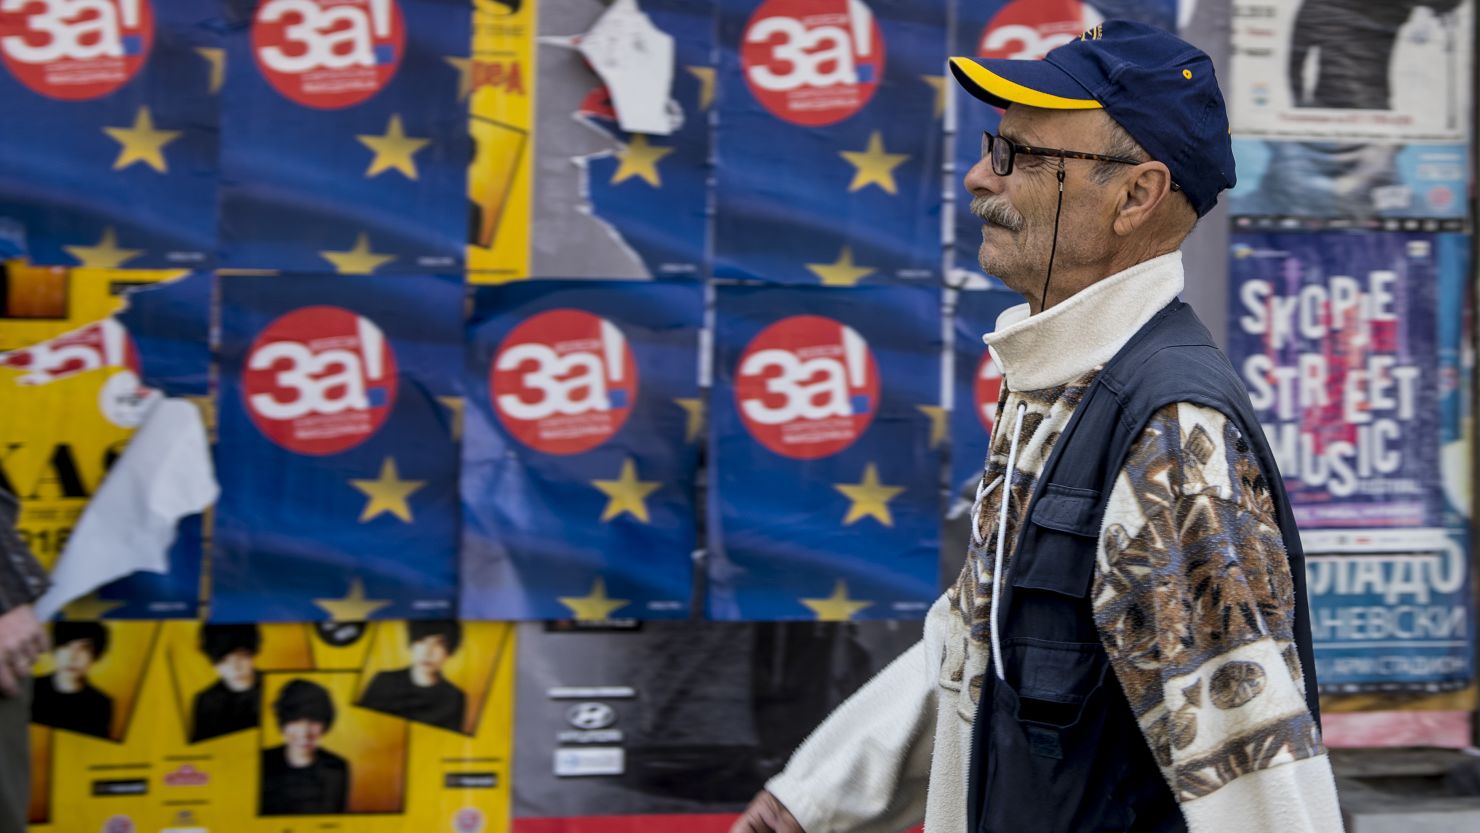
x,y
105,254
141,143
626,493
89,608
695,409
874,165
389,493
354,607
837,607
464,67
217,58
938,83
596,607
454,406
938,427
358,260
869,498
393,149
841,272
640,159
706,85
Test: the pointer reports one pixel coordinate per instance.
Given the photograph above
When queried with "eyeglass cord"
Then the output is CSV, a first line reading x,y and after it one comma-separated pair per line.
x,y
1055,248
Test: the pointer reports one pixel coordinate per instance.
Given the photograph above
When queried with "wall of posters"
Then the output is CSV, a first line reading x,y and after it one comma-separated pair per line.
x,y
337,455
581,450
1344,70
345,148
389,727
829,119
825,455
108,157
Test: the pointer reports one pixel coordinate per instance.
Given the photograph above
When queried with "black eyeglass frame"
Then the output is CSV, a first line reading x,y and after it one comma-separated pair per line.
x,y
1014,148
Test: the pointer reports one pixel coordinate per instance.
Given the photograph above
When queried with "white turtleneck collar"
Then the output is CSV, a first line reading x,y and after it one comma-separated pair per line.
x,y
1061,344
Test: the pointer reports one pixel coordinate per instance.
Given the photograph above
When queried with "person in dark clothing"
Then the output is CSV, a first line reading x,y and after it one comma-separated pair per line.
x,y
1353,41
65,699
230,704
300,778
419,692
22,640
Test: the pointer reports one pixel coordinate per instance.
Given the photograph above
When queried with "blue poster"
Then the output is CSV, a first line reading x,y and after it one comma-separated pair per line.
x,y
169,325
654,191
583,428
824,489
977,384
338,407
829,140
1335,335
1018,29
1349,184
346,147
108,154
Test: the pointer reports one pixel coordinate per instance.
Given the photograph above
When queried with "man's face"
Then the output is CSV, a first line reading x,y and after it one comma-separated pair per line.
x,y
74,659
430,653
303,735
236,670
1017,210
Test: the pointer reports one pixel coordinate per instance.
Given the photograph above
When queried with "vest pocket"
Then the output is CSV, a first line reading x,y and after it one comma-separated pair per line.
x,y
1058,553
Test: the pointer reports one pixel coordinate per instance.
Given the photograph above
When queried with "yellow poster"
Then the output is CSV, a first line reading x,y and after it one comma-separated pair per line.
x,y
183,726
69,403
499,82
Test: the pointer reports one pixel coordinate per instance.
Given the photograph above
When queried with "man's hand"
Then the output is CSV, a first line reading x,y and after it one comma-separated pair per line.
x,y
766,815
22,640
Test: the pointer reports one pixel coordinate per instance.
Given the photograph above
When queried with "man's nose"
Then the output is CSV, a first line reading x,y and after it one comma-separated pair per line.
x,y
981,179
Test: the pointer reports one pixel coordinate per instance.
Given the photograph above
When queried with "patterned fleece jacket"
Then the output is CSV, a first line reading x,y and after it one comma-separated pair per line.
x,y
1192,596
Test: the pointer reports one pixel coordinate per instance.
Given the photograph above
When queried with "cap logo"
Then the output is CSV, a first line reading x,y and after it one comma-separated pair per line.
x,y
1093,34
1187,73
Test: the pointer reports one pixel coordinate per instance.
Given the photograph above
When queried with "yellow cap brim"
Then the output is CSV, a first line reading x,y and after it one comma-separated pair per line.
x,y
1000,92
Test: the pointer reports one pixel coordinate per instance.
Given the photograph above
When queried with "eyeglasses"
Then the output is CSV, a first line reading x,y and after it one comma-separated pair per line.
x,y
1004,151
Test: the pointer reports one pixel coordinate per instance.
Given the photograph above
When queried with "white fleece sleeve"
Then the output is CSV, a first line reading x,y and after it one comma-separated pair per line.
x,y
1298,797
864,769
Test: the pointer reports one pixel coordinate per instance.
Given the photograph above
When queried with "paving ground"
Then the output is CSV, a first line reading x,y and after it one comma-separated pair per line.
x,y
1408,790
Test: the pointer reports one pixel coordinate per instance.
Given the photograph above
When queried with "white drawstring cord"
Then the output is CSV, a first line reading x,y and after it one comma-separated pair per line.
x,y
1017,431
983,490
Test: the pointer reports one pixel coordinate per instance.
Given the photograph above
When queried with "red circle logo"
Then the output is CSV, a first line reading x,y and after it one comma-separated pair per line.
x,y
72,50
1028,29
1440,196
813,62
807,387
564,381
988,390
320,380
328,54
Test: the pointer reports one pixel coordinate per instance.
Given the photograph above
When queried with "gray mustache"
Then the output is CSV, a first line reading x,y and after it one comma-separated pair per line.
x,y
996,211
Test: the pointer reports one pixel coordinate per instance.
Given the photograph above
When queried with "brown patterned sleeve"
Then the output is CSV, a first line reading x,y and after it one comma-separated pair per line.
x,y
1194,604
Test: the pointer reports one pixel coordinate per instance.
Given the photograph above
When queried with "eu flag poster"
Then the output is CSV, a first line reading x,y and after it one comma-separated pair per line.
x,y
614,204
346,146
1018,30
824,489
337,454
829,140
976,384
583,425
108,152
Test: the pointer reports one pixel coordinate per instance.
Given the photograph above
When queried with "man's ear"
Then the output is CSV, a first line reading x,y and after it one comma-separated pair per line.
x,y
1142,191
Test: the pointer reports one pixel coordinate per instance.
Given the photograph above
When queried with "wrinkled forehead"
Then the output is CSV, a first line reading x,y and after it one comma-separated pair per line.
x,y
1071,129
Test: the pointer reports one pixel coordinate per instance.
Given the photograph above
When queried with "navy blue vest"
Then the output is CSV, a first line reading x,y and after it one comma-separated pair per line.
x,y
1055,746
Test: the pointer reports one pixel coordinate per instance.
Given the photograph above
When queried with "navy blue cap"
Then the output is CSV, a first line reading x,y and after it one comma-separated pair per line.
x,y
1158,87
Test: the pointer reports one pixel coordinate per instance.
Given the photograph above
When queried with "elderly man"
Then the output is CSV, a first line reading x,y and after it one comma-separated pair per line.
x,y
1128,645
